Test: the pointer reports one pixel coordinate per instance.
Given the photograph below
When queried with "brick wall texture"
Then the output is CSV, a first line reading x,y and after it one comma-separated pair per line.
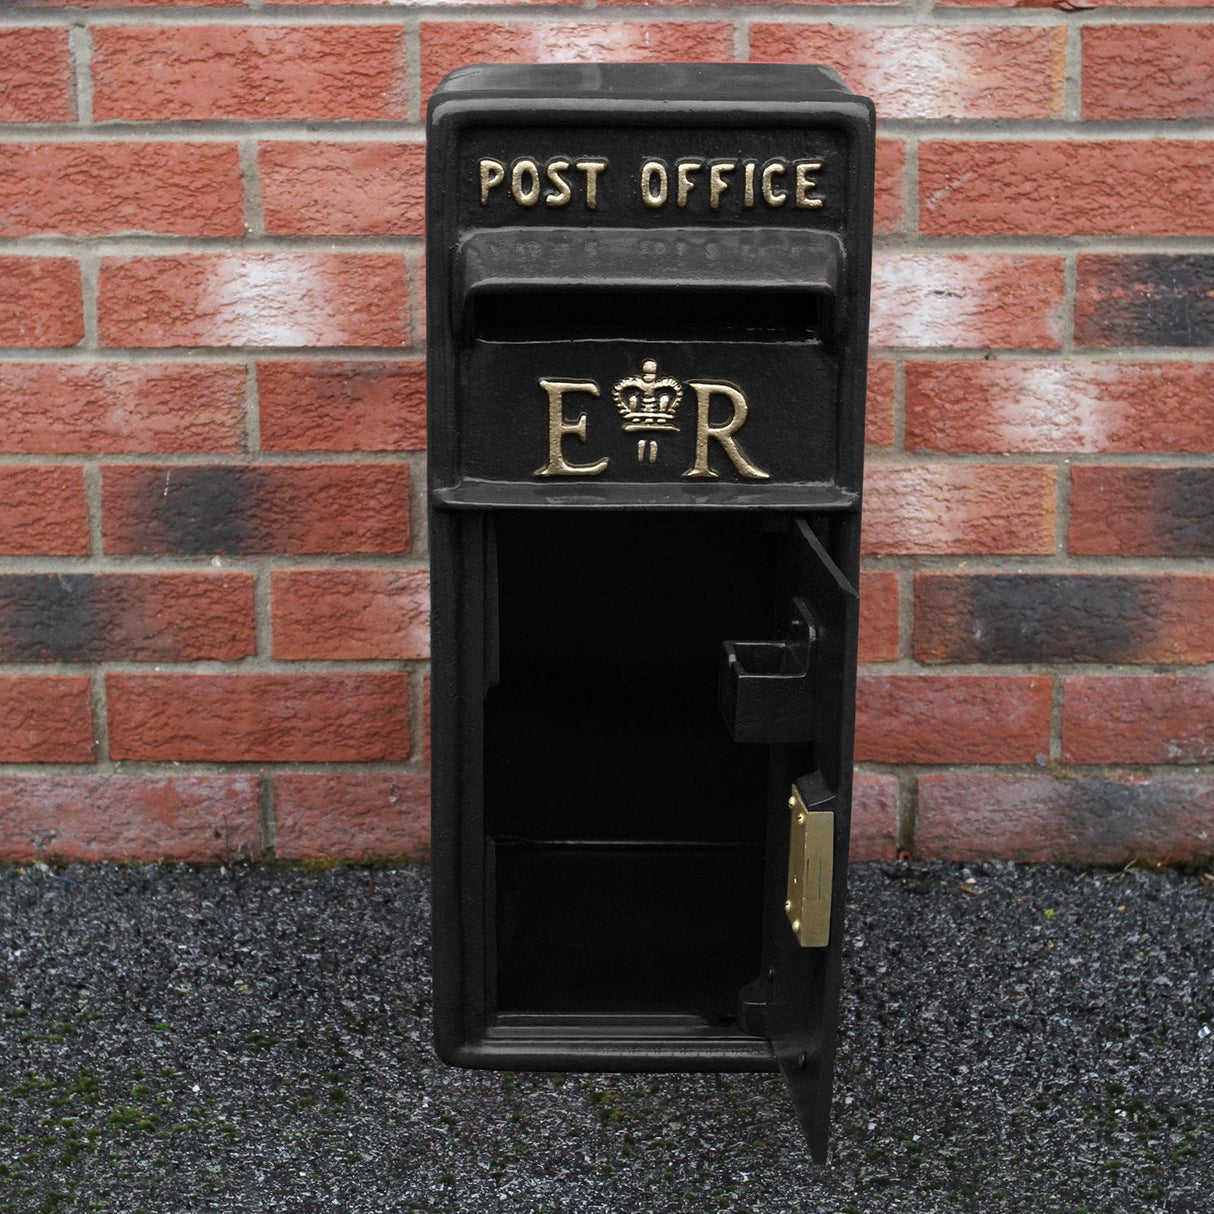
x,y
213,573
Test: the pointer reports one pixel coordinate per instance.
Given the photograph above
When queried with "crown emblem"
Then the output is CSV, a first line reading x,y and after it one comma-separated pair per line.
x,y
647,402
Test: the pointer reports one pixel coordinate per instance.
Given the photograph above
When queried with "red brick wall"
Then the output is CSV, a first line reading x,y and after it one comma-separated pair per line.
x,y
213,620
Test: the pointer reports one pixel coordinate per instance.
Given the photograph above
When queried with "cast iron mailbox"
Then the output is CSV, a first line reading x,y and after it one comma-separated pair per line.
x,y
647,310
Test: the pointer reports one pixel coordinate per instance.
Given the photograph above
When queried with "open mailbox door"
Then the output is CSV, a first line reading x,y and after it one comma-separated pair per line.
x,y
647,308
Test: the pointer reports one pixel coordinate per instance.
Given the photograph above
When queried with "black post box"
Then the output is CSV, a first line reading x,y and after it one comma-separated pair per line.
x,y
647,311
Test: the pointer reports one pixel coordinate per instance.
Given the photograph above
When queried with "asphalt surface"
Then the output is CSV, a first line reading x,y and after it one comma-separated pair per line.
x,y
180,1040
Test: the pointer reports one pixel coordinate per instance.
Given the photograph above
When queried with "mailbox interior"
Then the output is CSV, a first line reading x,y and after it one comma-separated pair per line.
x,y
628,827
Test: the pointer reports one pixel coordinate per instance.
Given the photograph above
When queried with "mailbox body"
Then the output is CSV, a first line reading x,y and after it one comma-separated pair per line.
x,y
647,313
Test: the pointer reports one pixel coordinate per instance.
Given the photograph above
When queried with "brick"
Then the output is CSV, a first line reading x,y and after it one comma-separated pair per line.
x,y
1071,5
42,511
464,3
1138,719
961,300
1030,407
874,817
35,76
1061,188
1119,511
343,189
132,617
879,413
888,213
254,299
920,71
879,626
350,613
352,815
1050,617
937,509
342,405
448,45
60,408
215,72
45,719
145,819
742,4
1148,71
96,189
41,301
1090,819
926,718
291,509
57,4
1146,299
426,718
259,718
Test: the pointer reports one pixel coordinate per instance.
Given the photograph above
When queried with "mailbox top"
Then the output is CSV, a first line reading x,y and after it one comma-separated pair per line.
x,y
694,83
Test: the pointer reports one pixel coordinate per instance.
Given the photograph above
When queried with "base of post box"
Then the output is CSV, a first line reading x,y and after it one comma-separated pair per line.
x,y
609,1043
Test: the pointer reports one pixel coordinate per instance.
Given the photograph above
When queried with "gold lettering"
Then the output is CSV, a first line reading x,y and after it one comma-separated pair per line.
x,y
651,170
705,430
493,173
748,194
772,196
529,195
717,185
591,169
562,194
558,427
805,183
683,172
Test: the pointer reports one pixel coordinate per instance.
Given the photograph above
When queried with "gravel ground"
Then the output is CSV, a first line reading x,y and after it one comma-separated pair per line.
x,y
257,1039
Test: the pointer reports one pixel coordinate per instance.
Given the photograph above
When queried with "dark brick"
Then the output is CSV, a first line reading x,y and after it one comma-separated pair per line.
x,y
1119,511
279,508
87,617
1063,618
1095,820
1145,300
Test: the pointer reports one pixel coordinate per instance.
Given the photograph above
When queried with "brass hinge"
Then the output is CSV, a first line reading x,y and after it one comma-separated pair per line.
x,y
811,854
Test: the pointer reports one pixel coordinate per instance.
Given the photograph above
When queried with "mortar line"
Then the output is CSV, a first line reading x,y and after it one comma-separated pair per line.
x,y
741,37
250,178
900,403
908,810
910,187
100,719
262,612
80,43
1072,90
1056,719
415,103
296,246
417,713
92,501
419,519
906,615
266,814
90,271
252,409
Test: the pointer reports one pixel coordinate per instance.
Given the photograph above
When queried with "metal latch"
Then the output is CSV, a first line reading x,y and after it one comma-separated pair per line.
x,y
811,853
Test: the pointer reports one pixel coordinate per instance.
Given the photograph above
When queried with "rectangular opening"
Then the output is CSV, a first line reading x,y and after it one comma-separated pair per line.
x,y
627,826
655,313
